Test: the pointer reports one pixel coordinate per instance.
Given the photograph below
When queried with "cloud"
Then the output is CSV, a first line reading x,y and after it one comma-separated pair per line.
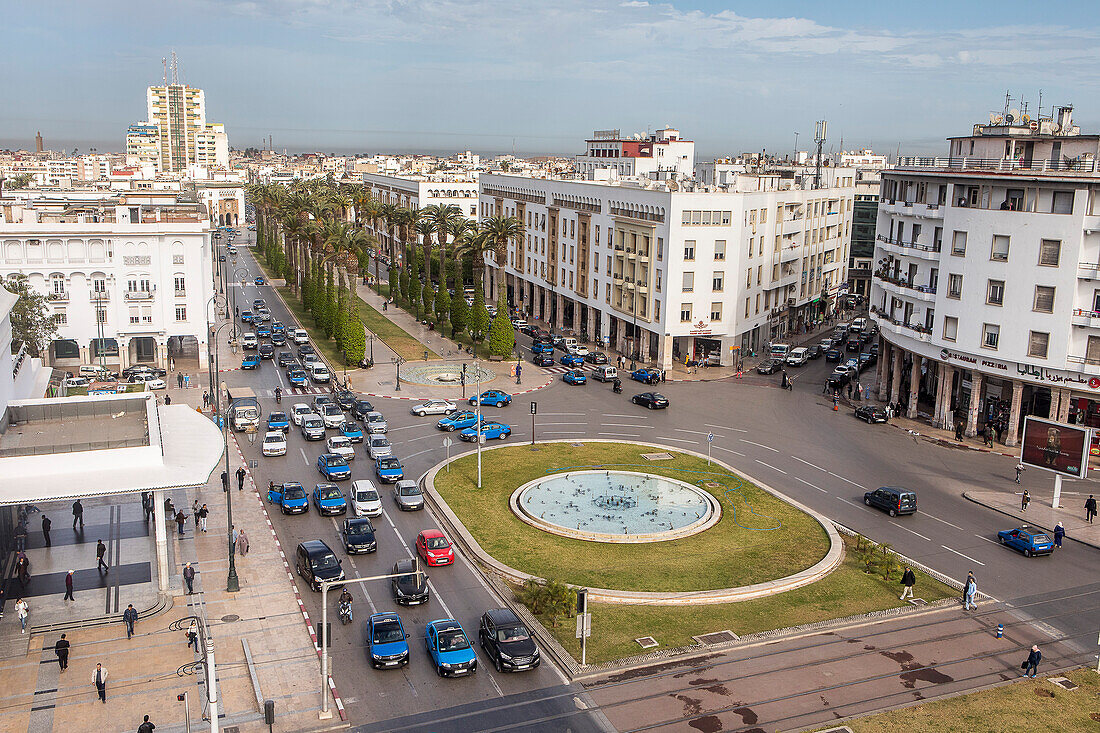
x,y
634,4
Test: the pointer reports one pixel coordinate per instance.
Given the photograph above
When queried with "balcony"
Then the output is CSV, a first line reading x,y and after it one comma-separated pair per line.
x,y
55,297
900,286
140,294
911,249
99,295
1088,271
1072,167
789,252
1086,318
894,325
180,293
1083,364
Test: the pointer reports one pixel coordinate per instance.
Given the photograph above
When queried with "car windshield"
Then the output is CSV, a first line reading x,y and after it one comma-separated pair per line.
x,y
409,490
329,492
657,396
513,633
389,463
339,442
294,492
453,640
325,562
297,374
335,460
376,417
277,417
358,530
1039,538
436,543
379,443
366,495
350,427
312,422
332,409
276,438
387,632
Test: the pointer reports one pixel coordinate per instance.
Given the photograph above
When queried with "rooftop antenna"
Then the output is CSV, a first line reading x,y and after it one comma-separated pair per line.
x,y
1008,101
175,70
820,131
1039,109
164,63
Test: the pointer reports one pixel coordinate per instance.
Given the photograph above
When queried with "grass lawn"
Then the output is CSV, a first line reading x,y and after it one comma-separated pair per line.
x,y
846,591
726,555
326,346
395,337
1023,707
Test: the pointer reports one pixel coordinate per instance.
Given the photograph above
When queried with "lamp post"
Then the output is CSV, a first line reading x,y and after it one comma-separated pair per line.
x,y
232,583
345,369
634,331
371,339
397,363
210,320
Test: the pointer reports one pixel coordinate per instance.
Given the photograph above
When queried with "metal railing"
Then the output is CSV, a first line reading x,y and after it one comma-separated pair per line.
x,y
1086,164
909,245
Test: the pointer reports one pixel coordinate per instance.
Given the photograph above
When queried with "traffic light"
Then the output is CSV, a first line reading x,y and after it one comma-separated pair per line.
x,y
582,600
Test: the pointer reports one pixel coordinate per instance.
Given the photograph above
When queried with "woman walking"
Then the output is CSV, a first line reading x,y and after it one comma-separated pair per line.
x,y
242,543
23,611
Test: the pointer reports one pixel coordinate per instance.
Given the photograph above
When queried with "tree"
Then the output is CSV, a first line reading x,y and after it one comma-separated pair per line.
x,y
460,315
340,322
442,305
414,288
479,318
429,298
394,286
355,339
502,338
31,321
499,232
553,599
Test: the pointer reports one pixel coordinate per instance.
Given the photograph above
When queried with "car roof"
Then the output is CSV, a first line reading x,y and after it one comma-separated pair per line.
x,y
404,565
430,533
446,624
501,616
313,547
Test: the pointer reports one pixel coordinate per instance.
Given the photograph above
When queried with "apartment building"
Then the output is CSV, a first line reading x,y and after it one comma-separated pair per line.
x,y
127,275
663,152
415,191
184,136
987,276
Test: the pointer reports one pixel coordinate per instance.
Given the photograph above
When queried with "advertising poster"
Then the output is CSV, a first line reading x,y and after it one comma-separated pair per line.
x,y
1056,447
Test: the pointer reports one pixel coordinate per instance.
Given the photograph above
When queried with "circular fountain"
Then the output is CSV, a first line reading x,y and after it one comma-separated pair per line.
x,y
446,375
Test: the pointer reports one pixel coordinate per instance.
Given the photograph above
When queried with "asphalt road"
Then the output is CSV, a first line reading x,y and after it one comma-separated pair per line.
x,y
792,441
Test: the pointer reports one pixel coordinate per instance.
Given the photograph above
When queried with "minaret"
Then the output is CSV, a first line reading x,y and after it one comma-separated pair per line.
x,y
38,142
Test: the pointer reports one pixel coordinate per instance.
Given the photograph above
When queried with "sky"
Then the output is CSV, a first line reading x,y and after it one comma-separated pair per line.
x,y
538,76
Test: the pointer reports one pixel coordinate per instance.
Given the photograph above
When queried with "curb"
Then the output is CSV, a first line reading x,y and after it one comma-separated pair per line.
x,y
966,495
818,570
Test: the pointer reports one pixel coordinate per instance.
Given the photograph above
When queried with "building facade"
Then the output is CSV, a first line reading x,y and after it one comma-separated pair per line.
x,y
864,226
417,192
639,155
987,278
183,135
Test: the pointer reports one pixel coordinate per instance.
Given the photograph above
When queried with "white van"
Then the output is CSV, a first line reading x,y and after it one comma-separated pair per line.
x,y
605,373
779,351
572,346
798,356
365,500
300,336
318,372
94,371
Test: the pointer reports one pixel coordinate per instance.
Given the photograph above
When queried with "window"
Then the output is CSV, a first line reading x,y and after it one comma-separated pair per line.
x,y
60,318
181,288
720,249
657,283
1044,299
715,311
958,243
995,292
135,317
954,286
746,307
181,313
950,328
991,334
1037,344
100,314
748,278
57,283
1000,248
689,282
146,314
1050,251
685,312
660,247
689,250
716,282
1061,202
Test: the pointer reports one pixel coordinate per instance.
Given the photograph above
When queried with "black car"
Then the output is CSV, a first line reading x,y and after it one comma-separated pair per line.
x,y
866,359
360,409
544,339
267,351
278,338
408,590
542,360
833,355
144,369
836,382
874,349
595,357
814,352
507,642
304,349
346,399
285,358
853,343
892,500
651,400
770,366
358,536
872,413
316,562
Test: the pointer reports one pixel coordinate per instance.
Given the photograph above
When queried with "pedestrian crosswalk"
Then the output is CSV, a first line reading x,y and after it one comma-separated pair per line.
x,y
563,369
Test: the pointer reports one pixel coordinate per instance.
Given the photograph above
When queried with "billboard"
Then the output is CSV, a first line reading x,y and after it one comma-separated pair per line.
x,y
1055,446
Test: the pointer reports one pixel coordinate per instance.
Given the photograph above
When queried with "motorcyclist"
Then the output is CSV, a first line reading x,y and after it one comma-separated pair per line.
x,y
278,395
344,604
617,385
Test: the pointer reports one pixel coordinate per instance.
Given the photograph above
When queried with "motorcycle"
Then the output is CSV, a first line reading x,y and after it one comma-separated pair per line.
x,y
345,613
617,387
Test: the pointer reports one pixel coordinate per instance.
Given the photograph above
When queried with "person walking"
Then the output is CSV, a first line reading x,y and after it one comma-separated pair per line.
x,y
1090,508
181,519
189,578
989,435
167,400
1031,664
205,399
23,569
203,513
908,580
1019,470
849,388
69,587
234,533
240,478
100,679
179,379
193,635
22,610
225,482
46,524
78,514
61,649
970,591
100,551
1059,534
1025,499
195,512
958,430
146,726
21,535
130,617
242,543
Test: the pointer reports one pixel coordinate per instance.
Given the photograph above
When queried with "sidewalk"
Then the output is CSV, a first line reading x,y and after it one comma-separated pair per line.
x,y
1039,513
147,672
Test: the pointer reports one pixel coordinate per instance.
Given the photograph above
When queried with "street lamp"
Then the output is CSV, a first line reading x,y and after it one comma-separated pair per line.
x,y
397,360
237,276
232,583
634,332
370,338
219,302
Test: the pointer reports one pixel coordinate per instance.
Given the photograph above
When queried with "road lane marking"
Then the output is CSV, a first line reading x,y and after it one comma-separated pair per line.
x,y
574,424
728,450
944,521
679,440
962,555
303,452
850,502
697,432
759,445
422,437
768,465
622,435
913,531
563,414
351,558
853,483
564,432
986,539
723,427
611,414
413,455
823,491
819,468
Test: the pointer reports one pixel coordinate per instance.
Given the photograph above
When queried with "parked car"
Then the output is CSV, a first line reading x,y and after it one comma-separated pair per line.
x,y
507,642
646,375
769,366
410,588
358,536
434,548
1029,541
365,501
492,397
872,413
892,500
333,467
408,496
387,642
650,400
290,497
317,563
433,407
328,500
449,648
274,443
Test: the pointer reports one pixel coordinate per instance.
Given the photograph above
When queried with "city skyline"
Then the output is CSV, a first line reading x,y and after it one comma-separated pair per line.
x,y
434,75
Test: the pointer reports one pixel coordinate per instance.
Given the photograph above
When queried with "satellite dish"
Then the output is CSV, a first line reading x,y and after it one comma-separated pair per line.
x,y
1056,127
1010,118
1027,119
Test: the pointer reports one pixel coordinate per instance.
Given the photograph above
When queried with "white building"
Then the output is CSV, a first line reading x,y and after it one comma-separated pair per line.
x,y
21,375
987,276
183,135
865,159
676,270
651,155
417,192
127,275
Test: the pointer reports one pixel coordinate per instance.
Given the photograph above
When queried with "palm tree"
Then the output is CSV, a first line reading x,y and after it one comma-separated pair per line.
x,y
406,220
424,229
388,213
460,229
476,245
499,231
441,217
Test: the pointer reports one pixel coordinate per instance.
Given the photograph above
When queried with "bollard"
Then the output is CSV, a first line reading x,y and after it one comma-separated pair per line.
x,y
1000,631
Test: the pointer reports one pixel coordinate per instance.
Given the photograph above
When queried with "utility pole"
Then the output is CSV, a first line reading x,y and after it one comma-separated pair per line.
x,y
477,402
820,129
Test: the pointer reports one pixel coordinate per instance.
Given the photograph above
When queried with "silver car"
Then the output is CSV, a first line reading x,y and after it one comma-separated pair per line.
x,y
313,428
408,496
434,407
376,423
379,447
332,414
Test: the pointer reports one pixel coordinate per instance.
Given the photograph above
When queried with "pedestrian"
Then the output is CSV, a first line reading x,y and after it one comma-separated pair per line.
x,y
169,510
193,635
189,578
908,580
146,726
242,543
179,379
970,591
859,391
147,504
130,617
46,524
1019,470
1031,664
989,435
233,539
69,587
240,478
195,512
225,482
849,388
22,610
61,649
23,569
100,679
836,399
21,535
205,399
100,551
1059,534
1025,499
1090,508
167,400
958,430
519,371
78,514
181,518
203,512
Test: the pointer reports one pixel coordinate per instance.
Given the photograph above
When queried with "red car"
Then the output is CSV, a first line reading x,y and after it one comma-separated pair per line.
x,y
434,548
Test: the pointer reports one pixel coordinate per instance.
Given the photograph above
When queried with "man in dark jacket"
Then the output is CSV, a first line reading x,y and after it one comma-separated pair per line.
x,y
100,551
146,726
1032,663
130,617
61,649
69,587
46,524
240,478
78,514
958,429
1090,508
189,578
908,580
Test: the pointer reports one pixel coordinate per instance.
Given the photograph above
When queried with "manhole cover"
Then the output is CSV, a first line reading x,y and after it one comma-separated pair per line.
x,y
1064,683
657,456
718,637
228,618
647,642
